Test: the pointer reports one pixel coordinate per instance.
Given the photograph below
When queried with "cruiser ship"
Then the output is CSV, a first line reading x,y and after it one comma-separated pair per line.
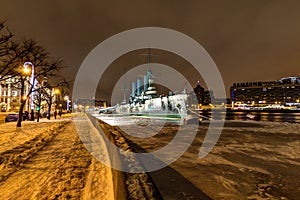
x,y
146,102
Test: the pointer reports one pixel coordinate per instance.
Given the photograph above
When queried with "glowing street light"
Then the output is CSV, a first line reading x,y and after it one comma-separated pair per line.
x,y
26,70
67,98
56,91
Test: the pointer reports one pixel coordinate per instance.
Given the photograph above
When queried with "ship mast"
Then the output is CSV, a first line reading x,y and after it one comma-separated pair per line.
x,y
124,87
149,58
148,76
149,73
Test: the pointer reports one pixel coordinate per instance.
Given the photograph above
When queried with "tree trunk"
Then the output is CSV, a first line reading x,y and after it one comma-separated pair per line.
x,y
39,110
49,110
23,101
32,115
20,119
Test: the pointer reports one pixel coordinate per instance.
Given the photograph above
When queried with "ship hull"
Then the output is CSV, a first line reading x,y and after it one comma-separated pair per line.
x,y
168,107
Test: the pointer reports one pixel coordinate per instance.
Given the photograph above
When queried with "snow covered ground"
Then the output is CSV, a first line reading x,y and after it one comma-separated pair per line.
x,y
47,160
252,160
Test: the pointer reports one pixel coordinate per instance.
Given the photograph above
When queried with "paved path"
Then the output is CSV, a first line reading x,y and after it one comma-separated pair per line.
x,y
54,166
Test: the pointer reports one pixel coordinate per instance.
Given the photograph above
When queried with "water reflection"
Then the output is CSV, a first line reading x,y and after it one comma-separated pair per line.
x,y
284,116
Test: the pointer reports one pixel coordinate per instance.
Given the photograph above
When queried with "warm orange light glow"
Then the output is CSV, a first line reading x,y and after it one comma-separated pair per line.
x,y
26,69
24,97
56,91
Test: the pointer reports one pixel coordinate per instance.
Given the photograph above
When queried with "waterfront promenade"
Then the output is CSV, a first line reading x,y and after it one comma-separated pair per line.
x,y
251,160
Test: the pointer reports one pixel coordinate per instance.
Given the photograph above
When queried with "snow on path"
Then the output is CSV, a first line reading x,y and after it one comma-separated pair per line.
x,y
11,136
61,169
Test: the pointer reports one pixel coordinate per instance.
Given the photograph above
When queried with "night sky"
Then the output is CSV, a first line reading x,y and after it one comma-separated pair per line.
x,y
248,40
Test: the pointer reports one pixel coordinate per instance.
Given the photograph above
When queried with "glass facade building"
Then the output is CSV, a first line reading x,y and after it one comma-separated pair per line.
x,y
283,91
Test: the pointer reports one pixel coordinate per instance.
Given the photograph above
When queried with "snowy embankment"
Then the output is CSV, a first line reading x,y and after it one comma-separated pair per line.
x,y
127,185
47,160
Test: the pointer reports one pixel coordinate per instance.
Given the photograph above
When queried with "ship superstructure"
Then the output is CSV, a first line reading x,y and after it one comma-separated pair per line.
x,y
144,100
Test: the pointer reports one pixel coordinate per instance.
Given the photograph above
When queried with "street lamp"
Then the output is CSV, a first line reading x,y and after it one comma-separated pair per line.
x,y
56,97
67,98
26,69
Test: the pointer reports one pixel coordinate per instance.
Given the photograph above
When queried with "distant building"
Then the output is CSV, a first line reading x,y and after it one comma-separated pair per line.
x,y
10,94
283,91
100,103
199,96
82,105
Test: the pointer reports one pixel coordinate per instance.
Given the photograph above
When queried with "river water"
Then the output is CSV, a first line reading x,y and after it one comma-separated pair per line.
x,y
272,115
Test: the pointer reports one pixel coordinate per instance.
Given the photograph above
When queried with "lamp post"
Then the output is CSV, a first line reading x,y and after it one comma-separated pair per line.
x,y
67,98
56,97
32,87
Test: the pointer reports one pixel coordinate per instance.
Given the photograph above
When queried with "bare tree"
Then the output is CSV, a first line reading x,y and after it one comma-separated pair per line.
x,y
39,96
48,93
5,37
44,66
13,54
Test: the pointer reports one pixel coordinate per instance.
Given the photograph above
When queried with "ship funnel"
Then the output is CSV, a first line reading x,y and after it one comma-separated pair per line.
x,y
139,87
133,89
145,83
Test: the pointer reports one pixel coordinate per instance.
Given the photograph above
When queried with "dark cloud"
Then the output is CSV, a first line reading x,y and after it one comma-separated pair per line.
x,y
248,40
